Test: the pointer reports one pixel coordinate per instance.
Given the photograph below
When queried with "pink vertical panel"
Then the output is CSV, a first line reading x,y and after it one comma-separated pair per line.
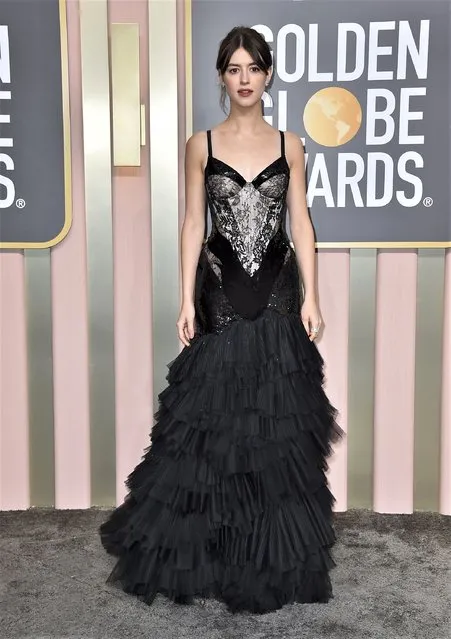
x,y
132,282
445,473
183,63
333,286
182,106
69,315
14,455
395,381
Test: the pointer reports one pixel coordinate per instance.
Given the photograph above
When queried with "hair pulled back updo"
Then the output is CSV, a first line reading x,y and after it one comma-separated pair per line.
x,y
250,40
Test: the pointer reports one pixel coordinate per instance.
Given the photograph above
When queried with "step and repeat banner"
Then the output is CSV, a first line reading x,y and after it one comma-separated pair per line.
x,y
35,202
366,85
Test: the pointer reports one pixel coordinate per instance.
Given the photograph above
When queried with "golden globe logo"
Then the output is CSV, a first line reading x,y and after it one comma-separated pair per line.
x,y
333,116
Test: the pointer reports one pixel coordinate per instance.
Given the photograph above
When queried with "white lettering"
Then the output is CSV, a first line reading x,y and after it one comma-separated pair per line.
x,y
299,58
372,116
319,171
5,118
265,31
313,74
375,50
267,104
8,200
283,110
416,158
373,179
344,180
418,54
344,29
406,116
382,51
5,66
367,50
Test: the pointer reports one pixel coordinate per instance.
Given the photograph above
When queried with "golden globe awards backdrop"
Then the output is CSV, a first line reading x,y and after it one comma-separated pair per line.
x,y
35,206
366,85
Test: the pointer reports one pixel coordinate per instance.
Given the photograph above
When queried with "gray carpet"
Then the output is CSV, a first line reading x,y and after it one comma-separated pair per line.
x,y
392,581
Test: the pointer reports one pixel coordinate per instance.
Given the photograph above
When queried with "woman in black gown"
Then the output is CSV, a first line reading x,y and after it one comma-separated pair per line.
x,y
231,499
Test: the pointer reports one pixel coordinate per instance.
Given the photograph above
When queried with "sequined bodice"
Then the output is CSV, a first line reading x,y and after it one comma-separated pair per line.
x,y
247,263
248,214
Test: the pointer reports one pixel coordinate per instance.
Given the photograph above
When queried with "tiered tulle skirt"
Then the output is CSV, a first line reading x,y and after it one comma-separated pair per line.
x,y
230,499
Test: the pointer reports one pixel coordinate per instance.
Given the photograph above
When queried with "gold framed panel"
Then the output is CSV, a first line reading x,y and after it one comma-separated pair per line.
x,y
189,129
66,141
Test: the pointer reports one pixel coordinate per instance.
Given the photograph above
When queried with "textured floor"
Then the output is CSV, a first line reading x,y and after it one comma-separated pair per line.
x,y
393,580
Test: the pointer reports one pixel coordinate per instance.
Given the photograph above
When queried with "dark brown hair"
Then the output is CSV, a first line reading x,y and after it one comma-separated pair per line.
x,y
250,40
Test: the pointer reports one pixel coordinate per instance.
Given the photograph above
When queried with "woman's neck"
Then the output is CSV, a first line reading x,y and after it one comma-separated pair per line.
x,y
247,120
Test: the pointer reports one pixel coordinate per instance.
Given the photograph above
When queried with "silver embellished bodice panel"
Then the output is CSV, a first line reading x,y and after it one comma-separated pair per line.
x,y
247,264
248,214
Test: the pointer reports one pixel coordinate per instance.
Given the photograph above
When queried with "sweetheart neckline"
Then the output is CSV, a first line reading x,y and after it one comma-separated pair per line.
x,y
215,159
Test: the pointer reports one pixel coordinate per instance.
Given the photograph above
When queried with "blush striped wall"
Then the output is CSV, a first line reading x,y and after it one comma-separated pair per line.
x,y
81,342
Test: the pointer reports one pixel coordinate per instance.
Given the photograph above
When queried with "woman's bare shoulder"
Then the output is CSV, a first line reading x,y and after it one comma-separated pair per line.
x,y
197,140
293,140
196,146
294,149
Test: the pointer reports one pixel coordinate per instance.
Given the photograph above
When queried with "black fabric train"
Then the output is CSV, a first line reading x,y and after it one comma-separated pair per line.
x,y
231,499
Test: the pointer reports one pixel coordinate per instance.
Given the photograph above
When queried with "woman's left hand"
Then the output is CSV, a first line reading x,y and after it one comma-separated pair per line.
x,y
311,318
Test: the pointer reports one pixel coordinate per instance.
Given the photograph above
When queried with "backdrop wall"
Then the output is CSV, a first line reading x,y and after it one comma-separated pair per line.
x,y
87,325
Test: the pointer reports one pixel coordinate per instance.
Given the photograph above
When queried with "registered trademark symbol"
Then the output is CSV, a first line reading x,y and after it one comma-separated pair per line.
x,y
20,203
428,201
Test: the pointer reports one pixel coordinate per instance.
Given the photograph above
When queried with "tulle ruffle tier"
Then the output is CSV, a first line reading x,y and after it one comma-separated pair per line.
x,y
230,499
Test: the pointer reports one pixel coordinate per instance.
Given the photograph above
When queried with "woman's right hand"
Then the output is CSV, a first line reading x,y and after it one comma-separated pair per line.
x,y
185,324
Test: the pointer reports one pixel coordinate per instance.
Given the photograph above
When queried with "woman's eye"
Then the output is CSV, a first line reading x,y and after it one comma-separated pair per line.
x,y
256,69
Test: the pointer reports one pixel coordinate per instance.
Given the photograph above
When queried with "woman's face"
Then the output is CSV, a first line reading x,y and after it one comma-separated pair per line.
x,y
244,81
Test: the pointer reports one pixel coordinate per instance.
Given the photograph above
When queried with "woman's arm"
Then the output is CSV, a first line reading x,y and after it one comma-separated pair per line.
x,y
193,230
302,232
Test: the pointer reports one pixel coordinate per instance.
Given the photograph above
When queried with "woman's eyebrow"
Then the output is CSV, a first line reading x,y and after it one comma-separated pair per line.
x,y
234,64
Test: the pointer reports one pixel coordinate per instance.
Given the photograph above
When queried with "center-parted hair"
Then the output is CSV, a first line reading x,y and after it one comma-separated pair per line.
x,y
250,40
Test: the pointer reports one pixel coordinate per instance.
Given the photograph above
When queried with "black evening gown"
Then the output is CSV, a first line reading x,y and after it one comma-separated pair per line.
x,y
230,499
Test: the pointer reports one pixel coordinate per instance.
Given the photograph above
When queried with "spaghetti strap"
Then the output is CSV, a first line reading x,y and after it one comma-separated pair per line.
x,y
282,143
209,143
